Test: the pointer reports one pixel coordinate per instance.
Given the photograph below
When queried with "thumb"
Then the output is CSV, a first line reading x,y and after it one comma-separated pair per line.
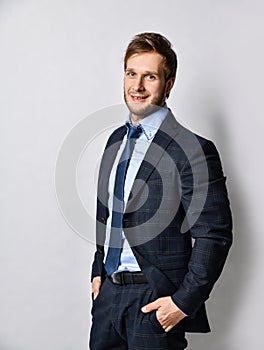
x,y
150,307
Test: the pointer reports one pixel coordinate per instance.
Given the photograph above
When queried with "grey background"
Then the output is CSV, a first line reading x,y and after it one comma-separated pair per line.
x,y
60,61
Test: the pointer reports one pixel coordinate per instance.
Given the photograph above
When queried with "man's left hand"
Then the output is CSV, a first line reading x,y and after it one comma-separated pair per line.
x,y
167,312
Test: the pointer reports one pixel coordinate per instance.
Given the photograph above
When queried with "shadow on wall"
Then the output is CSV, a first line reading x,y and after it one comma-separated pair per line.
x,y
228,294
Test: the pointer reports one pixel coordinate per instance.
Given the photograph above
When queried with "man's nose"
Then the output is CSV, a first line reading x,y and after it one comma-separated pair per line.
x,y
139,84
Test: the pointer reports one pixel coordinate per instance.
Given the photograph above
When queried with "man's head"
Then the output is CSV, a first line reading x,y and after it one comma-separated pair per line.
x,y
150,68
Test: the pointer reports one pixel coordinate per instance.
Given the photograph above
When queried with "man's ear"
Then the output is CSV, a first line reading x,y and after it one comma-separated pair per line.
x,y
169,86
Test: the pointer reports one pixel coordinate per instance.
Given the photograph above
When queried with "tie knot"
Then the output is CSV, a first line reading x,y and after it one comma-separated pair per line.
x,y
134,132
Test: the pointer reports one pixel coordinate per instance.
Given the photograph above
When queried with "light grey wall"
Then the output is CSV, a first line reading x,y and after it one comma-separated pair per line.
x,y
60,61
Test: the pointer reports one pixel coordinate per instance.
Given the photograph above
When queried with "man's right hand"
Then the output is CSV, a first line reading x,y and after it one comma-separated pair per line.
x,y
96,285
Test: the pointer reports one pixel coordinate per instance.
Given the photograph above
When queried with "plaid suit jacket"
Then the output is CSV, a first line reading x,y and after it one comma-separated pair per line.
x,y
177,220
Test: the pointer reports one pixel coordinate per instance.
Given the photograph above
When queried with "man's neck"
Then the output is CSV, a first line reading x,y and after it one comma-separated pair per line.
x,y
136,118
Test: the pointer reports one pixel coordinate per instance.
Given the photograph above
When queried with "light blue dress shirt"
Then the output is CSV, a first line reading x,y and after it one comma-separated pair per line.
x,y
150,126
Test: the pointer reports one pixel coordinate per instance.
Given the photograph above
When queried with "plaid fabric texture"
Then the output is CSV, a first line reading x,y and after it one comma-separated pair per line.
x,y
119,323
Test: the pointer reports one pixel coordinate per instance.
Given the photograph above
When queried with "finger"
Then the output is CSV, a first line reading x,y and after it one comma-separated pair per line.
x,y
95,290
150,307
167,329
95,295
96,283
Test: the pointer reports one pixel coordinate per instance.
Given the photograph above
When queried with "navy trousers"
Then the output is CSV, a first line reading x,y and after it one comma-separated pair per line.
x,y
118,322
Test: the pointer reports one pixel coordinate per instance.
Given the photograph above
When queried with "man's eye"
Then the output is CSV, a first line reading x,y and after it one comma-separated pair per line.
x,y
150,77
130,74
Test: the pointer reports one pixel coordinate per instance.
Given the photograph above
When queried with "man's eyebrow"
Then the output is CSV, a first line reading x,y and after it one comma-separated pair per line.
x,y
128,69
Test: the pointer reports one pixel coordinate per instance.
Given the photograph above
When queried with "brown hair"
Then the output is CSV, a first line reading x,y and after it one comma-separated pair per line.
x,y
147,42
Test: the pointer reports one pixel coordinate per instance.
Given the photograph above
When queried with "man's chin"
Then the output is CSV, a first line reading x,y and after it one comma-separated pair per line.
x,y
142,110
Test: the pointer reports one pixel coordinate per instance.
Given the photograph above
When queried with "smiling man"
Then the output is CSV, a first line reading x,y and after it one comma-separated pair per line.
x,y
145,85
159,187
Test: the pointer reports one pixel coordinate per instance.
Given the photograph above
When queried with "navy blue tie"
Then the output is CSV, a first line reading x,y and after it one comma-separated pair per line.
x,y
115,244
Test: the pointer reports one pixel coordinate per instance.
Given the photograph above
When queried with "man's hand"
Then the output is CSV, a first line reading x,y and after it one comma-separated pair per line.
x,y
167,312
96,285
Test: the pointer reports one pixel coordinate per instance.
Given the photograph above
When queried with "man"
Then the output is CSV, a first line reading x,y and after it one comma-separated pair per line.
x,y
160,187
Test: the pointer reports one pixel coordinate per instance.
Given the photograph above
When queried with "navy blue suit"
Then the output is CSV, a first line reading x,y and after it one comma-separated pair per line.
x,y
179,196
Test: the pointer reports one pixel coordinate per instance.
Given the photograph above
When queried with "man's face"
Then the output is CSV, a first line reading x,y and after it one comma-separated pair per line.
x,y
144,84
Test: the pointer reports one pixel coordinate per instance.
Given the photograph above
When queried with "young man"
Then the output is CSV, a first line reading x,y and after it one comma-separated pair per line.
x,y
159,186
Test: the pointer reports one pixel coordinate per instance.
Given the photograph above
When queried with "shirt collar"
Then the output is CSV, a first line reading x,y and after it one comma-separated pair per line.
x,y
152,122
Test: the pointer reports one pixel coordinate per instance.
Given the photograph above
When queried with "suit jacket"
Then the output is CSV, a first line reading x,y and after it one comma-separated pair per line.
x,y
177,220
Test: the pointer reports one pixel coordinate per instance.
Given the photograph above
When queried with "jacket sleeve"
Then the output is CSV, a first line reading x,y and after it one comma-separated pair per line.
x,y
101,219
102,212
97,265
210,224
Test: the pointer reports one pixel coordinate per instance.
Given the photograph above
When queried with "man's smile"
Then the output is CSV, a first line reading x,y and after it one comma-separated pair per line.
x,y
138,98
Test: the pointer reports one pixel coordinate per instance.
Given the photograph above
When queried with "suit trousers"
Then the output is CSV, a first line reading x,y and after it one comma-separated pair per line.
x,y
118,322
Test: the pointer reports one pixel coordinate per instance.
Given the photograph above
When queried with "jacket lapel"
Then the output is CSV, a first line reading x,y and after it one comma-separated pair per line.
x,y
162,139
164,136
107,162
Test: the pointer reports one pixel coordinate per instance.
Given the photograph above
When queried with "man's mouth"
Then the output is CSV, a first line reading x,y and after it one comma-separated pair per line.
x,y
138,98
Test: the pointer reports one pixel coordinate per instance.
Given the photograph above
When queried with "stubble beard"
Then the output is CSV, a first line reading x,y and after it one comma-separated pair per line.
x,y
142,110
